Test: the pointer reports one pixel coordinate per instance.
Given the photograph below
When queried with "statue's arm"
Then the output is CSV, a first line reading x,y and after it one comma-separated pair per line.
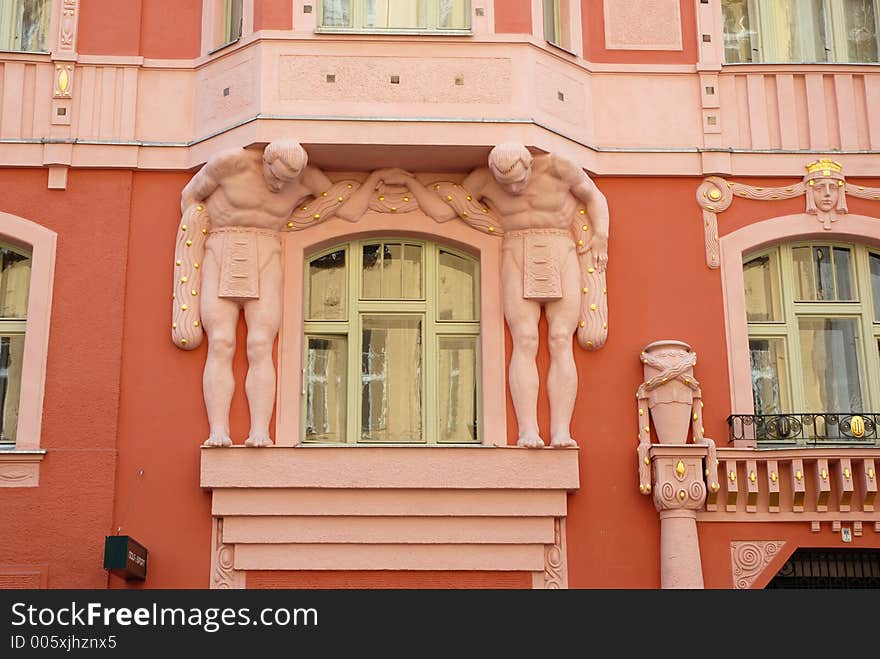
x,y
595,204
208,178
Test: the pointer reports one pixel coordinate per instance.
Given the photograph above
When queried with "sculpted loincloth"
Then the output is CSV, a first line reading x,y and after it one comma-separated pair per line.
x,y
544,253
241,260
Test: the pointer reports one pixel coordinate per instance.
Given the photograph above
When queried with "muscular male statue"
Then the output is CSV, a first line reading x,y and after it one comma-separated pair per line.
x,y
537,198
241,199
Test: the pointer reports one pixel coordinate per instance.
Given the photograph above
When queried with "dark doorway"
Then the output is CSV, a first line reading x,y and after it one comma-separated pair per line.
x,y
830,568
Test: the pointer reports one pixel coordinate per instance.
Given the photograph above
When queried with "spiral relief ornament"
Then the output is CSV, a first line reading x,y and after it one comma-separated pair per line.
x,y
750,558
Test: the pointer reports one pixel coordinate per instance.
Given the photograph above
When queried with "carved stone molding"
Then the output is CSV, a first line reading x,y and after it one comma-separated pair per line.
x,y
555,564
223,573
749,559
715,195
67,25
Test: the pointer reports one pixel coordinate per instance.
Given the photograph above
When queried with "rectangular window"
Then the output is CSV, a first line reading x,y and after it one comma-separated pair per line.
x,y
806,31
557,27
226,22
24,25
395,15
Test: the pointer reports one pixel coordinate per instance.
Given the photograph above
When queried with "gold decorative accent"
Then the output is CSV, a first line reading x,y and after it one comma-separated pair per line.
x,y
184,307
177,262
871,474
189,243
406,198
589,344
682,495
592,307
585,228
317,216
196,266
714,487
491,229
773,476
194,292
591,270
582,324
826,165
702,430
340,199
183,280
304,208
394,209
847,473
173,325
195,323
824,475
449,197
183,341
798,475
732,475
290,225
648,487
752,476
469,197
641,412
604,325
714,195
183,227
605,291
205,232
857,426
642,488
200,207
647,429
323,194
679,469
381,197
582,211
580,243
694,416
647,460
586,290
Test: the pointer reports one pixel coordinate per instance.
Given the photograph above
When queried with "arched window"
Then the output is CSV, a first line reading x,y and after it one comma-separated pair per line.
x,y
391,344
15,277
813,312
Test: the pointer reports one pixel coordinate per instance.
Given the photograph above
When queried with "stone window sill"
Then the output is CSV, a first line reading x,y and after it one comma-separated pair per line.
x,y
20,468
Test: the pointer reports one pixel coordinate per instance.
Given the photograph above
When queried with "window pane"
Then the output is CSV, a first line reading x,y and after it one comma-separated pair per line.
x,y
327,277
391,379
843,274
457,388
824,274
457,284
454,14
11,356
761,276
15,280
392,272
372,283
830,362
326,386
802,258
875,284
24,25
556,22
395,13
739,38
860,32
336,13
769,375
233,20
412,272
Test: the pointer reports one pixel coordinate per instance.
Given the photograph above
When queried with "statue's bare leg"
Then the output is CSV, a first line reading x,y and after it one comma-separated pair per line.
x,y
263,317
562,379
219,318
522,319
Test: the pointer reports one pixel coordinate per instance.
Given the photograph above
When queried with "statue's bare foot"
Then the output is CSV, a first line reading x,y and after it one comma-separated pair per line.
x,y
562,442
218,440
530,442
258,440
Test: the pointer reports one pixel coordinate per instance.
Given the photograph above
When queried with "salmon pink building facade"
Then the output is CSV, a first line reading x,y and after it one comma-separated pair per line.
x,y
725,384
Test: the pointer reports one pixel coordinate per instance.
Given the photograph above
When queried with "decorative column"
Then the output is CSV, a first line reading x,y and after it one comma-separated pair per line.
x,y
679,491
674,470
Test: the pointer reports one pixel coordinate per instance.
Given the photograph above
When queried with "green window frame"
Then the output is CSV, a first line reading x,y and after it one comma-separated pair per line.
x,y
813,313
24,25
395,16
15,277
801,31
391,349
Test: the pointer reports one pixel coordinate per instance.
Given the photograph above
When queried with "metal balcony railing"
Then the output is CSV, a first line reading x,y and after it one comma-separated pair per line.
x,y
814,429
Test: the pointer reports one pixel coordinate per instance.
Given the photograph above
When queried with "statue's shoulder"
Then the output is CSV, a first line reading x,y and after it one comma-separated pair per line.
x,y
230,161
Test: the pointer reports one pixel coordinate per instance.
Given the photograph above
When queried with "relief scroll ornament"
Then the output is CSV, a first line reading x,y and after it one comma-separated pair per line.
x,y
824,186
749,559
